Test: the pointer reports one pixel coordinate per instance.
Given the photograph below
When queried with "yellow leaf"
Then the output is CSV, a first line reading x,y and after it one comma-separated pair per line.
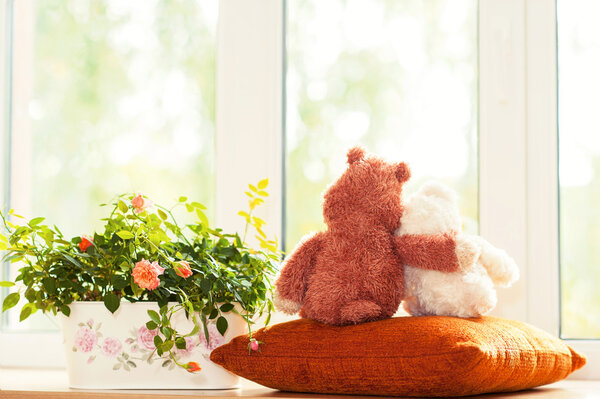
x,y
263,184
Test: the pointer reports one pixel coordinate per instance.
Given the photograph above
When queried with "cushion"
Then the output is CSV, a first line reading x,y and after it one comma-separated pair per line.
x,y
404,356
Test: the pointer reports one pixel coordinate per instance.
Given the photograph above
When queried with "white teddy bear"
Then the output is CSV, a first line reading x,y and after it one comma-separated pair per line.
x,y
470,291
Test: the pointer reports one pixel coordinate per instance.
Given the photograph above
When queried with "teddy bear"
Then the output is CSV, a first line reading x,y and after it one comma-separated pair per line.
x,y
468,292
352,272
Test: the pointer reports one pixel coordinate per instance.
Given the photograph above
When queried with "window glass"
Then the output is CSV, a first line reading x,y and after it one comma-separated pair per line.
x,y
110,97
579,166
399,77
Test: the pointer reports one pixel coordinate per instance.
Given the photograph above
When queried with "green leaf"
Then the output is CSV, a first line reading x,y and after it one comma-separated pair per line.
x,y
65,310
198,205
222,325
112,302
123,207
157,341
162,215
167,345
25,312
213,314
263,184
124,234
167,332
182,199
6,284
72,260
228,307
202,217
206,285
154,317
151,325
120,283
35,221
180,343
10,301
49,285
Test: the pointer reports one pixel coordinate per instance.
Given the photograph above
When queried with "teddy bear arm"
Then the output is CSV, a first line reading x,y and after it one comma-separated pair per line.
x,y
425,251
293,280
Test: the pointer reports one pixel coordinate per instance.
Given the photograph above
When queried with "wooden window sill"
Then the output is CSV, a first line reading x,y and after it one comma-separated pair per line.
x,y
18,383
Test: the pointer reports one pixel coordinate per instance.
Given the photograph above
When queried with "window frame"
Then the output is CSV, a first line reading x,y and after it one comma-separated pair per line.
x,y
518,200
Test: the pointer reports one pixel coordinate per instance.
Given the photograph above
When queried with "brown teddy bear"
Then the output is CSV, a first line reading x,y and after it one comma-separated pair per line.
x,y
353,271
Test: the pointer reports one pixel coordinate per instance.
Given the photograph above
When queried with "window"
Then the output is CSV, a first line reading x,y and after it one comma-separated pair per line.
x,y
108,97
579,139
409,80
397,77
154,93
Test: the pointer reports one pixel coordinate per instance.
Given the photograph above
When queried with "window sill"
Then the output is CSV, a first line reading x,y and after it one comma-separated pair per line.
x,y
20,383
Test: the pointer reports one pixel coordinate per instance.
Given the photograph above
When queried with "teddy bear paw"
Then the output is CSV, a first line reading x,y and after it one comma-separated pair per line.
x,y
503,269
467,252
284,305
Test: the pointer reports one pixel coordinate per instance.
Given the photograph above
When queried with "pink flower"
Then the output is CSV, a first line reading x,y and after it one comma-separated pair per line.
x,y
85,339
111,347
140,203
183,269
145,274
86,242
189,347
215,338
145,337
254,346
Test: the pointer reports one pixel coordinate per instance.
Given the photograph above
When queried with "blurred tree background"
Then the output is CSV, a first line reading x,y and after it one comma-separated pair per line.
x,y
120,98
123,100
399,77
579,166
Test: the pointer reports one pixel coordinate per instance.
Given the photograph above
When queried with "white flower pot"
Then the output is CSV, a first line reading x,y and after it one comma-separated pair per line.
x,y
116,351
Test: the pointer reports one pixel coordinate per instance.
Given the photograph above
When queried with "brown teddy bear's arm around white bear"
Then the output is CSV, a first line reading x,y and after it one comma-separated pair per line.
x,y
292,282
428,251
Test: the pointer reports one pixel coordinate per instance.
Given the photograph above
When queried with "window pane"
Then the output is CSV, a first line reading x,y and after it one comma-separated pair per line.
x,y
399,77
579,166
111,97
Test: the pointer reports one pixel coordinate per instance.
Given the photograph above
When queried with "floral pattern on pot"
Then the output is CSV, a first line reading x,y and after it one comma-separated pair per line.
x,y
139,346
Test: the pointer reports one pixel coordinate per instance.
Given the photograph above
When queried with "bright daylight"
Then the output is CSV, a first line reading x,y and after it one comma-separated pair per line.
x,y
274,198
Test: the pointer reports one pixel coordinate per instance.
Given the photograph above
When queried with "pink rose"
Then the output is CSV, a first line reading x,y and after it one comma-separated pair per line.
x,y
254,346
145,337
140,203
189,347
183,269
85,339
145,274
215,338
111,347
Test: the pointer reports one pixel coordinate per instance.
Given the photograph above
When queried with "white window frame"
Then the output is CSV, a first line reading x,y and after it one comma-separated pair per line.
x,y
518,185
518,152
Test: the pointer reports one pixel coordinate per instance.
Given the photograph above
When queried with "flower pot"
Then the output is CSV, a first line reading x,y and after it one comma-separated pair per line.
x,y
116,351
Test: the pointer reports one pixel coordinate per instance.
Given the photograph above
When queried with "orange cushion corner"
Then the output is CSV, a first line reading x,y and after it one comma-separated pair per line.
x,y
404,356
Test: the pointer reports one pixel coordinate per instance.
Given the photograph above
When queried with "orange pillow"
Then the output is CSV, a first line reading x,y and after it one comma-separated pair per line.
x,y
405,356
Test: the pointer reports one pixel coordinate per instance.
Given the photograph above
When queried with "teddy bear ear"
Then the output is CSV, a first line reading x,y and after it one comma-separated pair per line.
x,y
402,172
355,154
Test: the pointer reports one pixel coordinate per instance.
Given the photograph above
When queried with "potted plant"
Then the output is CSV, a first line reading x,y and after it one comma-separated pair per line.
x,y
145,301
